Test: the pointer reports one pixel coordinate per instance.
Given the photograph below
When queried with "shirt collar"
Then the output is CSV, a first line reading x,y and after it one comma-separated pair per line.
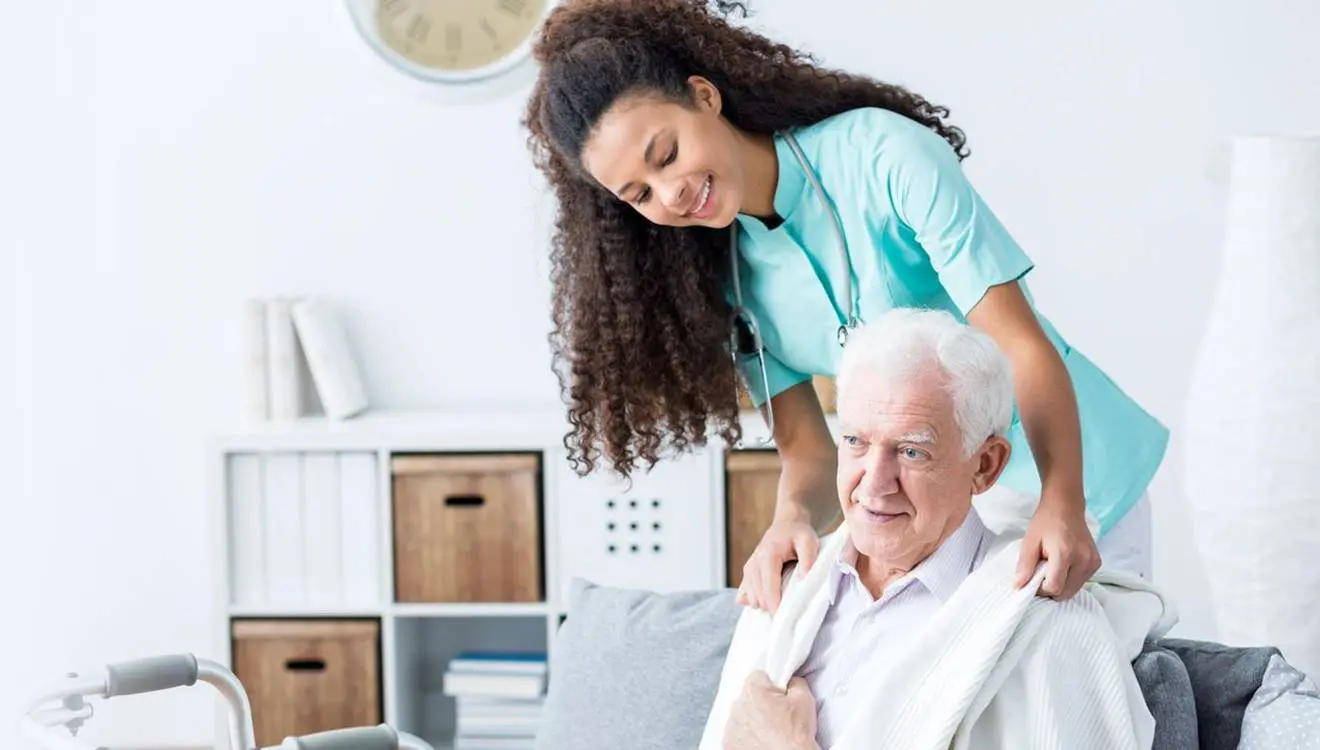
x,y
792,180
941,573
789,187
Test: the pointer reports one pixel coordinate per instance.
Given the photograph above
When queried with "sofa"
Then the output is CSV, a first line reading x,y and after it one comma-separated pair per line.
x,y
639,669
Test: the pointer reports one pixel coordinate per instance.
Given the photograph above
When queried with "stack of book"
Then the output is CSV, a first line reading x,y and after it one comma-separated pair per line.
x,y
299,361
499,696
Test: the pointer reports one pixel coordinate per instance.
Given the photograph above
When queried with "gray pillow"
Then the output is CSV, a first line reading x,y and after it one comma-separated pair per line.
x,y
635,669
1224,679
1168,691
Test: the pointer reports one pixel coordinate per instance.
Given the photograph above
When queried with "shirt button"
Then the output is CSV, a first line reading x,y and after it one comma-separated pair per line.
x,y
841,691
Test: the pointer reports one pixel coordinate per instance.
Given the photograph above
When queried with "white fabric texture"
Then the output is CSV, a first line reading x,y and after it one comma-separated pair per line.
x,y
1284,714
997,667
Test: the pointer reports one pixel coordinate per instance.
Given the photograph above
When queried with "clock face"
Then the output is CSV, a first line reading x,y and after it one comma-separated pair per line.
x,y
455,39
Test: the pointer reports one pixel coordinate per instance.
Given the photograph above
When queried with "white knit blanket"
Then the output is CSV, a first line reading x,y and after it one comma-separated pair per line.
x,y
997,668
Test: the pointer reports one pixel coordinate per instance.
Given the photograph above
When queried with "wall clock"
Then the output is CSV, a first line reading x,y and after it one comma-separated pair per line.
x,y
450,41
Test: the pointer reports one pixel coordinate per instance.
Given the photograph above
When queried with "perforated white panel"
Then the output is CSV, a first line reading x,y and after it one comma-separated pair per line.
x,y
656,534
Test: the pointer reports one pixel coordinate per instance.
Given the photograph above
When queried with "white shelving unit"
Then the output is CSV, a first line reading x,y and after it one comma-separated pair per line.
x,y
303,520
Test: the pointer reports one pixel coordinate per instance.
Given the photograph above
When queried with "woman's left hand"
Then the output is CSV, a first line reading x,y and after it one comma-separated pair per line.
x,y
1058,534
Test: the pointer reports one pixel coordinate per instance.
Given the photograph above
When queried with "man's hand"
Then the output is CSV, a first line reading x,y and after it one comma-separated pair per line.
x,y
767,718
1059,536
786,540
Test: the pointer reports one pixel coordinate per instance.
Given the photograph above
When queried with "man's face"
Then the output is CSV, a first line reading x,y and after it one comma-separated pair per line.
x,y
905,480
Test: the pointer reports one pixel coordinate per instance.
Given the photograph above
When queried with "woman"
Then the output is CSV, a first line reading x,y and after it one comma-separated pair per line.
x,y
669,135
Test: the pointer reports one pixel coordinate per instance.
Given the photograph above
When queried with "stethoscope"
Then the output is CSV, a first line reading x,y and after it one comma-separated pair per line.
x,y
747,333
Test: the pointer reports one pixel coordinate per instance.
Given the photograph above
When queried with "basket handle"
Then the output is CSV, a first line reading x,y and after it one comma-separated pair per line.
x,y
464,501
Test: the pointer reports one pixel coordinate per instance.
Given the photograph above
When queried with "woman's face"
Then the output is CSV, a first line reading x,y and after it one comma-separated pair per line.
x,y
678,165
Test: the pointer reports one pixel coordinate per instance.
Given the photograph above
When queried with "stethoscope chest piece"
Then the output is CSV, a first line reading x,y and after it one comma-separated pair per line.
x,y
845,330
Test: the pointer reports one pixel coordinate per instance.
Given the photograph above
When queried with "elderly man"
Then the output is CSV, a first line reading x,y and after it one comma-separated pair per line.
x,y
910,631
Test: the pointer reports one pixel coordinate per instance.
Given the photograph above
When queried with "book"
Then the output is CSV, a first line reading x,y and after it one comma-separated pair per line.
x,y
298,361
330,359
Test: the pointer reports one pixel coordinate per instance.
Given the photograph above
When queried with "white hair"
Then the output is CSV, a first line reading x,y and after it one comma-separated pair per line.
x,y
907,342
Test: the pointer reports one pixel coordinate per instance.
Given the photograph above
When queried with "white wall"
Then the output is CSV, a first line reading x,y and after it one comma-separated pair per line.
x,y
172,159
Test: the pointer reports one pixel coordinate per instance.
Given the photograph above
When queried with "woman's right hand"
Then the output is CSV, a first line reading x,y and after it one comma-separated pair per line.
x,y
786,540
806,490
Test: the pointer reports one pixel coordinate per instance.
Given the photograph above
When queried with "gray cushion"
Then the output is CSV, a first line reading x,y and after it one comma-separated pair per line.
x,y
635,669
1224,679
1168,691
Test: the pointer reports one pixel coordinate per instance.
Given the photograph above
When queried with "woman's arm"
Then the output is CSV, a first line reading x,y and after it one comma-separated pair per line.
x,y
1048,407
978,262
807,503
807,484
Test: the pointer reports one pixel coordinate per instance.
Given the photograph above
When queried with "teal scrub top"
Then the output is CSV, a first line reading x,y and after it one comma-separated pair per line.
x,y
918,235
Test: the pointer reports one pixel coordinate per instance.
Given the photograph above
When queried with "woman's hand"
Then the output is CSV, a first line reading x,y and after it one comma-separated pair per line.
x,y
786,540
1058,534
806,502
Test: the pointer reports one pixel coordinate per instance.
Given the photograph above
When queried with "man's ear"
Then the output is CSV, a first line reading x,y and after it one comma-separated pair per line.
x,y
991,459
704,93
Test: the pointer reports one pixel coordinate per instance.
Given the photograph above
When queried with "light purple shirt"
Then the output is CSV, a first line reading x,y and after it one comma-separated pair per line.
x,y
859,630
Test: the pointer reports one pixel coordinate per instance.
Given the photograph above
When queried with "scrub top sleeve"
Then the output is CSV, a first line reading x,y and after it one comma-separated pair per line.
x,y
968,246
781,377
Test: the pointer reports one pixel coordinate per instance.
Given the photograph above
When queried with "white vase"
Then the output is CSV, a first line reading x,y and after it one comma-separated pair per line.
x,y
1252,435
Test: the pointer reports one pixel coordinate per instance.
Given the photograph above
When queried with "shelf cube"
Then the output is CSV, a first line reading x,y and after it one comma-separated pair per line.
x,y
657,532
425,647
467,528
305,530
305,676
752,491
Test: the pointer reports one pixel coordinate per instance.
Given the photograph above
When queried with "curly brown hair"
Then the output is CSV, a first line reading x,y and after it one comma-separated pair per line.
x,y
641,319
